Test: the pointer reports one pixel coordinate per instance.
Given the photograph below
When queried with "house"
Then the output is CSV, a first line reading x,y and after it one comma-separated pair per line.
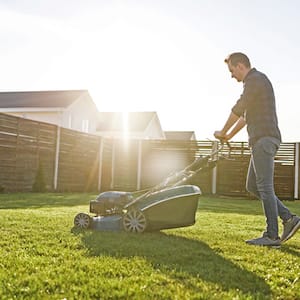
x,y
134,125
180,135
73,109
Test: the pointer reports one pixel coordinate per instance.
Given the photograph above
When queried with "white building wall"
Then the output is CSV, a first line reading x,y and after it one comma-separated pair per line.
x,y
81,115
154,130
47,117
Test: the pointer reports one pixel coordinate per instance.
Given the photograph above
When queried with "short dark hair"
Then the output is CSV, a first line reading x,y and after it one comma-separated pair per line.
x,y
238,57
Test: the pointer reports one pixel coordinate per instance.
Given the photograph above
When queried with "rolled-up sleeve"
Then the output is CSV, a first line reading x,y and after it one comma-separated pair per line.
x,y
251,87
238,108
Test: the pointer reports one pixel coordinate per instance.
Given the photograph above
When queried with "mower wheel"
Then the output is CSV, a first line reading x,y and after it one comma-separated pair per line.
x,y
82,221
134,221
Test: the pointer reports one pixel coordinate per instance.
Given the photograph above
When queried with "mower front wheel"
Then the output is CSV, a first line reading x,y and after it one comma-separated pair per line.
x,y
134,221
82,221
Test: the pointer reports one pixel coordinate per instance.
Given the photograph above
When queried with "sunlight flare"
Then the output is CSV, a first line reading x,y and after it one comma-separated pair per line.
x,y
125,125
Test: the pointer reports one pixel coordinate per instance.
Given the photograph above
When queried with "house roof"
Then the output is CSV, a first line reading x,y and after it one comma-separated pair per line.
x,y
114,121
180,135
40,98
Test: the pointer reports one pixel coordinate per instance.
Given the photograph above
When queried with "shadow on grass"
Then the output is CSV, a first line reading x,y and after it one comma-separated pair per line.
x,y
231,205
181,258
290,250
238,206
38,200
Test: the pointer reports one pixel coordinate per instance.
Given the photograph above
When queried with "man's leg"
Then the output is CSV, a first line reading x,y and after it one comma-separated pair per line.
x,y
262,160
260,183
251,187
251,180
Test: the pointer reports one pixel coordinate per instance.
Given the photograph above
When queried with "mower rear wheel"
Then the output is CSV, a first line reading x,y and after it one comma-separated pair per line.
x,y
82,221
134,221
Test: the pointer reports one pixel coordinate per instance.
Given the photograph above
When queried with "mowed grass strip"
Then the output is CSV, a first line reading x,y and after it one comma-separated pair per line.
x,y
43,257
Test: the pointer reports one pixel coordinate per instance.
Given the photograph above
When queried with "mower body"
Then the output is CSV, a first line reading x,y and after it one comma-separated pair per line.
x,y
168,208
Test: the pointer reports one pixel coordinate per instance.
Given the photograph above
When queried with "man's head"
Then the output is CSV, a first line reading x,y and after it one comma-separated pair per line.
x,y
239,65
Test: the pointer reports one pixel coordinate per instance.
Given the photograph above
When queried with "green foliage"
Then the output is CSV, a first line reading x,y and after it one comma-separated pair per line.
x,y
43,257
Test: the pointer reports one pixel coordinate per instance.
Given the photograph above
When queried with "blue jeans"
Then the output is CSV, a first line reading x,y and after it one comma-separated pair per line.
x,y
260,182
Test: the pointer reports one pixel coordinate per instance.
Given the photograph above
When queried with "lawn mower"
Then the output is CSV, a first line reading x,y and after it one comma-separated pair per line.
x,y
172,203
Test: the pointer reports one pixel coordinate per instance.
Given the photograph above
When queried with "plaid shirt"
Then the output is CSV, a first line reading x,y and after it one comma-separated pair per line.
x,y
257,106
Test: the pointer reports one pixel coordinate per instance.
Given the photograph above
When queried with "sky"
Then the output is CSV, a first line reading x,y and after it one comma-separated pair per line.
x,y
155,55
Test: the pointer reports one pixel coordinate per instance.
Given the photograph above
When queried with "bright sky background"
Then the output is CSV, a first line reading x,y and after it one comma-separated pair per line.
x,y
154,55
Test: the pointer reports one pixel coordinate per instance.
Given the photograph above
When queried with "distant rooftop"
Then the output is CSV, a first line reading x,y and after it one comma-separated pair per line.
x,y
113,121
180,135
40,98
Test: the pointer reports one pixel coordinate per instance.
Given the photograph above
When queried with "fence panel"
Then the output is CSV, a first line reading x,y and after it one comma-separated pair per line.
x,y
284,171
23,150
232,170
126,163
161,158
27,145
232,173
8,146
78,161
107,159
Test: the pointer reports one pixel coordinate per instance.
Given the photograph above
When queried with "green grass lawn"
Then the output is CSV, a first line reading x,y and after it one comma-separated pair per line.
x,y
43,257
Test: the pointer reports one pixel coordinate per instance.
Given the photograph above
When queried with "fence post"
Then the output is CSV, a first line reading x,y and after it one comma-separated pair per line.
x,y
101,146
113,160
214,171
139,166
296,184
55,179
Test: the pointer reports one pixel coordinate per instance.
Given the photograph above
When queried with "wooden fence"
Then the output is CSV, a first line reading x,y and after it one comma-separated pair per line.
x,y
24,145
75,161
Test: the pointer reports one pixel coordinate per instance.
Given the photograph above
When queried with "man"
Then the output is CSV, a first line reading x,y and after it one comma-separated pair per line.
x,y
256,109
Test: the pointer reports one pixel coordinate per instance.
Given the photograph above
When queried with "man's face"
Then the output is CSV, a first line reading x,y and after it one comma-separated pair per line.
x,y
236,71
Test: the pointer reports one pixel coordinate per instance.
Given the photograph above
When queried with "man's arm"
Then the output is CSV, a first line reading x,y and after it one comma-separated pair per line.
x,y
232,119
240,124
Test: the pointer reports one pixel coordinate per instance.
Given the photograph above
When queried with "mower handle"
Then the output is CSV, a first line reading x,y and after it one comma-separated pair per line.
x,y
188,172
